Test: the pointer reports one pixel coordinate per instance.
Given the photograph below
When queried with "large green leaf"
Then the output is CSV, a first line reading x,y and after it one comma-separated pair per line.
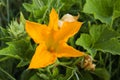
x,y
111,46
102,9
105,39
101,38
101,33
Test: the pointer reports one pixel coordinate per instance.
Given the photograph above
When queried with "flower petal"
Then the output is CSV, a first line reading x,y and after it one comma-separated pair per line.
x,y
42,58
53,21
67,51
68,30
37,31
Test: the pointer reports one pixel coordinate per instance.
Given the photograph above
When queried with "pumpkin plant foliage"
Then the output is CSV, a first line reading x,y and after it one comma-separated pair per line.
x,y
61,40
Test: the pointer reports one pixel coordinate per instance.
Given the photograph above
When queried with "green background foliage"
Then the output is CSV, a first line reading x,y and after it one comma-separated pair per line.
x,y
99,37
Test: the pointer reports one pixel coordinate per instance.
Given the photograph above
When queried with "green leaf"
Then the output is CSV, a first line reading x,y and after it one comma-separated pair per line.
x,y
116,12
21,50
96,31
9,51
102,73
22,19
101,9
28,7
101,33
101,38
111,46
85,41
40,9
104,37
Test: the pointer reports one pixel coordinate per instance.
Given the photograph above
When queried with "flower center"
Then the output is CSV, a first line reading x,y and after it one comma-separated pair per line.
x,y
51,49
51,43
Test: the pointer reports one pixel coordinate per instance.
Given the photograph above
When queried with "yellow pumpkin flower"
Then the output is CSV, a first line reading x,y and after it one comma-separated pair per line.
x,y
52,40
